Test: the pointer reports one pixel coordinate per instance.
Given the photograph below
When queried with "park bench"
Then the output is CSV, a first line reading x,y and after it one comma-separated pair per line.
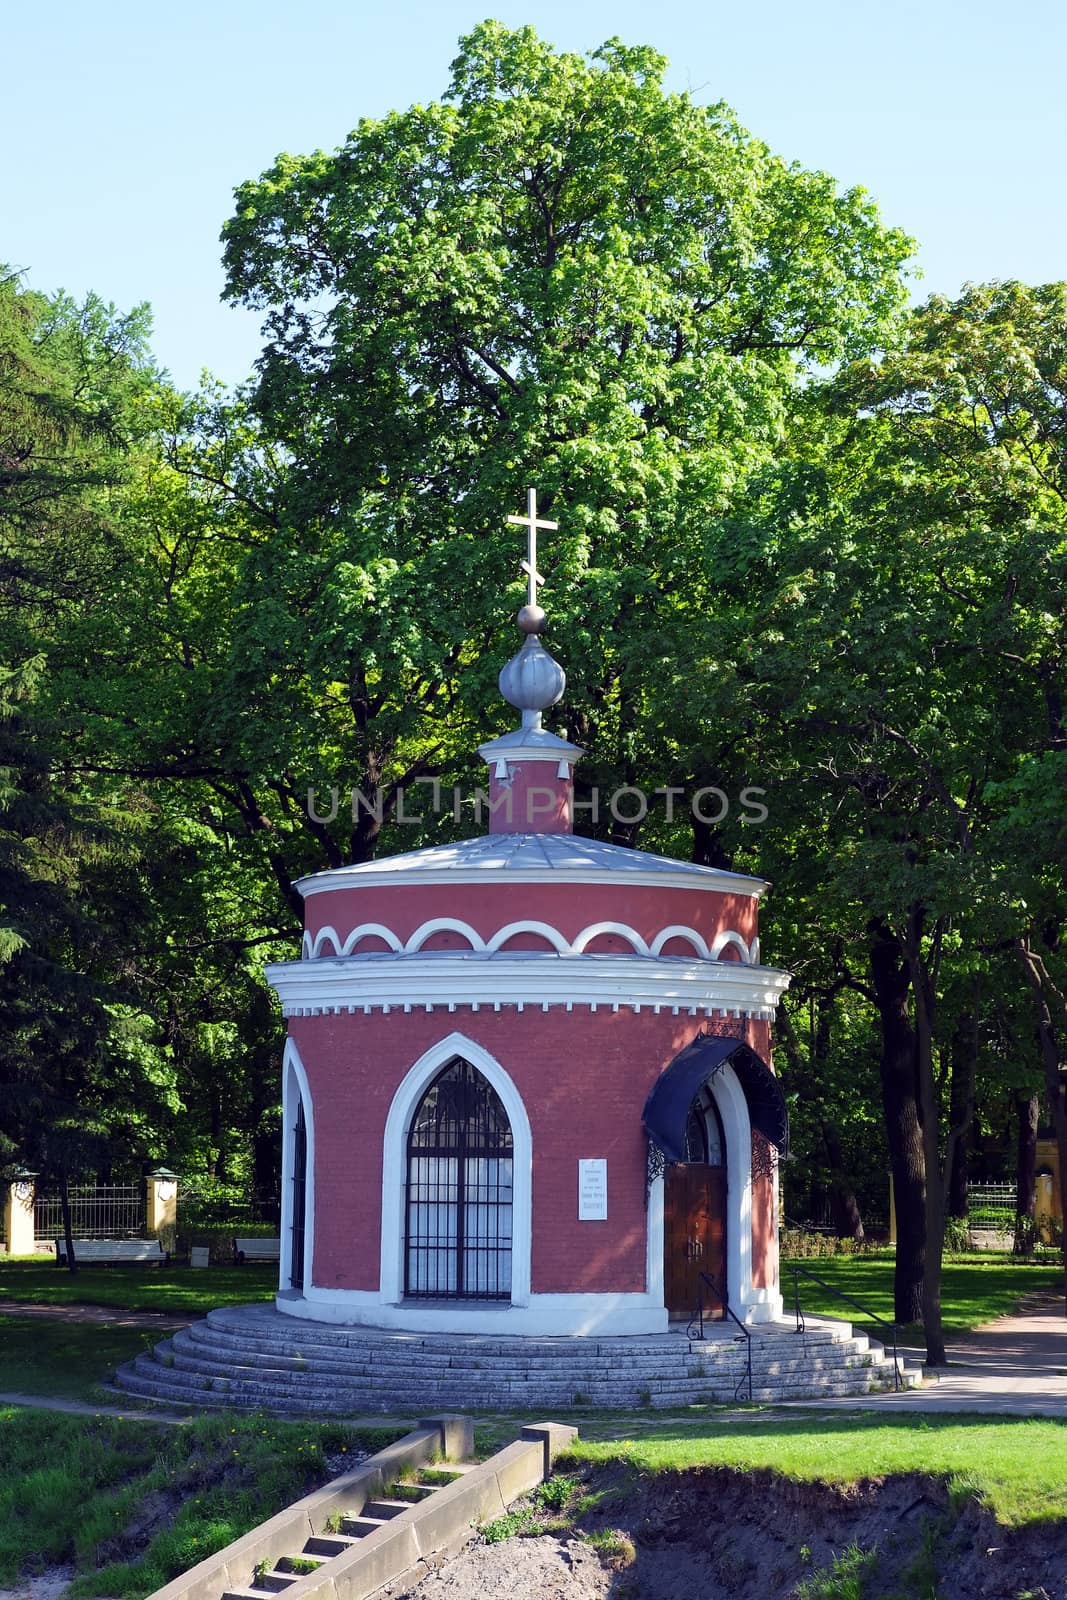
x,y
114,1252
256,1250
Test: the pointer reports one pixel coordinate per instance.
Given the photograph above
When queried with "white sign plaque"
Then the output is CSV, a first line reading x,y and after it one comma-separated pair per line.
x,y
592,1190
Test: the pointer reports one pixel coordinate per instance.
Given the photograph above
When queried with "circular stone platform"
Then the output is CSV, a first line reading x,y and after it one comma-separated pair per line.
x,y
252,1357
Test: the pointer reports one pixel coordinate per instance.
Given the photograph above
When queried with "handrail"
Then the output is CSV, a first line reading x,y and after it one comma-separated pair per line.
x,y
698,1323
858,1304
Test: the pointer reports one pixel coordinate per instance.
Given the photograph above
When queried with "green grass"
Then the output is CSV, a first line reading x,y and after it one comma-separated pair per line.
x,y
131,1505
1018,1466
973,1289
64,1360
174,1289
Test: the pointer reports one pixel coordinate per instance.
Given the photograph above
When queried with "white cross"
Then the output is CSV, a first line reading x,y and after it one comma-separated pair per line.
x,y
531,522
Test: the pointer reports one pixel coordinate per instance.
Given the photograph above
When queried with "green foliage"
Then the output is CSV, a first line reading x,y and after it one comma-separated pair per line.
x,y
132,1504
1018,1466
844,1579
494,286
957,1233
804,1244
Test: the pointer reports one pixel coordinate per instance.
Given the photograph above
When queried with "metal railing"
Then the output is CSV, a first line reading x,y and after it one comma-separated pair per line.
x,y
695,1330
97,1211
799,1272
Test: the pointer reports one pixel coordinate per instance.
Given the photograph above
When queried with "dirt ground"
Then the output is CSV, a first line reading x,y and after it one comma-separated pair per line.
x,y
718,1534
47,1586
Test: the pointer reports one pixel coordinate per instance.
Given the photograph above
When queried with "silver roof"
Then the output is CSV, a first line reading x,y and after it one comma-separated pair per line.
x,y
532,857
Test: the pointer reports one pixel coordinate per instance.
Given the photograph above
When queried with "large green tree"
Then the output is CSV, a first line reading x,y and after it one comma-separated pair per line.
x,y
560,272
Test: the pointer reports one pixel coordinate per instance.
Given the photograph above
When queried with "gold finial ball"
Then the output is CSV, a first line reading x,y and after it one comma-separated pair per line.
x,y
531,619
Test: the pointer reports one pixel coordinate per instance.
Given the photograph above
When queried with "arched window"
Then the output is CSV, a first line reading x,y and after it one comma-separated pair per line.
x,y
299,1206
704,1142
459,1191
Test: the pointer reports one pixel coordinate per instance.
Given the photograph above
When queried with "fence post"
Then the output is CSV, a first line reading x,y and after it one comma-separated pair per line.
x,y
18,1214
161,1205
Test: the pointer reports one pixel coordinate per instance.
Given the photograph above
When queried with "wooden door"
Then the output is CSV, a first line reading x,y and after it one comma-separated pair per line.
x,y
694,1237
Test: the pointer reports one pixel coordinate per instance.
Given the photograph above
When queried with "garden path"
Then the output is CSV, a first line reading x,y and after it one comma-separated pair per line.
x,y
1015,1365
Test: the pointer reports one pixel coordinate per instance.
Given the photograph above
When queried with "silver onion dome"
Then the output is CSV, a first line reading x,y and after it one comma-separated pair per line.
x,y
532,681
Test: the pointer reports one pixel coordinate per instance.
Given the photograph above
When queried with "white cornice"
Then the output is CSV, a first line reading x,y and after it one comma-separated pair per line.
x,y
425,981
513,877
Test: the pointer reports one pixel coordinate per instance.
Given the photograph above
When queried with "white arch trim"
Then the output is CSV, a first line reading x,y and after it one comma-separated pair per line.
x,y
295,1088
595,929
678,931
729,937
426,930
311,949
394,1165
544,930
329,935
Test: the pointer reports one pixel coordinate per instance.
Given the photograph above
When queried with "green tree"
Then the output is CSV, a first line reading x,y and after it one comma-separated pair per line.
x,y
559,272
910,669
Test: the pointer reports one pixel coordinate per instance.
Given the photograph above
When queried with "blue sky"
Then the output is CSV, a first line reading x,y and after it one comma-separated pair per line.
x,y
127,125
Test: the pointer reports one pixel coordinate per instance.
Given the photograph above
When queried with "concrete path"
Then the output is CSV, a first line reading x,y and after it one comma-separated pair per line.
x,y
1016,1366
83,1408
113,1316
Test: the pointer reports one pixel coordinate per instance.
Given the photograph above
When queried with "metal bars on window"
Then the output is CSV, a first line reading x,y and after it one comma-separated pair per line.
x,y
300,1172
459,1191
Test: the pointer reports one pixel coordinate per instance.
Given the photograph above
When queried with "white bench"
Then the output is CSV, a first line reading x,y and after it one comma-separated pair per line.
x,y
256,1250
114,1252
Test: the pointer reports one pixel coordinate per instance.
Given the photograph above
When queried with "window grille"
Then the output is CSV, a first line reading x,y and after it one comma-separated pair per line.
x,y
459,1191
300,1169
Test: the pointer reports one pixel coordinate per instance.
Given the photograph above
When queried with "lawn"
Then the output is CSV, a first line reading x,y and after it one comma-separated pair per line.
x,y
173,1289
1018,1466
131,1505
67,1360
973,1289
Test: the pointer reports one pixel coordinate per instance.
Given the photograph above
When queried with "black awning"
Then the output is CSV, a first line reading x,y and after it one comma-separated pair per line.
x,y
667,1107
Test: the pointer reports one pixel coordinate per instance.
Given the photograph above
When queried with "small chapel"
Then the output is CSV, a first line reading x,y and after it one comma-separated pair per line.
x,y
527,1081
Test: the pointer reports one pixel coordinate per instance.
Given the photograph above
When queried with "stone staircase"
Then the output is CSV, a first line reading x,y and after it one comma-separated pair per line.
x,y
347,1530
253,1357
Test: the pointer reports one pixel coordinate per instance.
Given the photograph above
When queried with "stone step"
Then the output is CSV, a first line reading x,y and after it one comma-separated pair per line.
x,y
328,1544
272,1327
269,1400
576,1356
357,1363
552,1386
385,1510
172,1354
181,1354
276,1580
360,1526
252,1394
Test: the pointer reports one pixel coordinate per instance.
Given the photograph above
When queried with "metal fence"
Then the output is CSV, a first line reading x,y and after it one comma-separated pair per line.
x,y
97,1211
991,1205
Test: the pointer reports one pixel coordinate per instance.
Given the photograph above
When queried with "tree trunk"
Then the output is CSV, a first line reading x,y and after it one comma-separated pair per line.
x,y
1028,1113
1045,994
891,981
844,1207
961,1095
64,1206
930,1120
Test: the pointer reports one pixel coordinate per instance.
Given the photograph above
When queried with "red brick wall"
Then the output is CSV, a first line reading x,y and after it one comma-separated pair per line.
x,y
583,1079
